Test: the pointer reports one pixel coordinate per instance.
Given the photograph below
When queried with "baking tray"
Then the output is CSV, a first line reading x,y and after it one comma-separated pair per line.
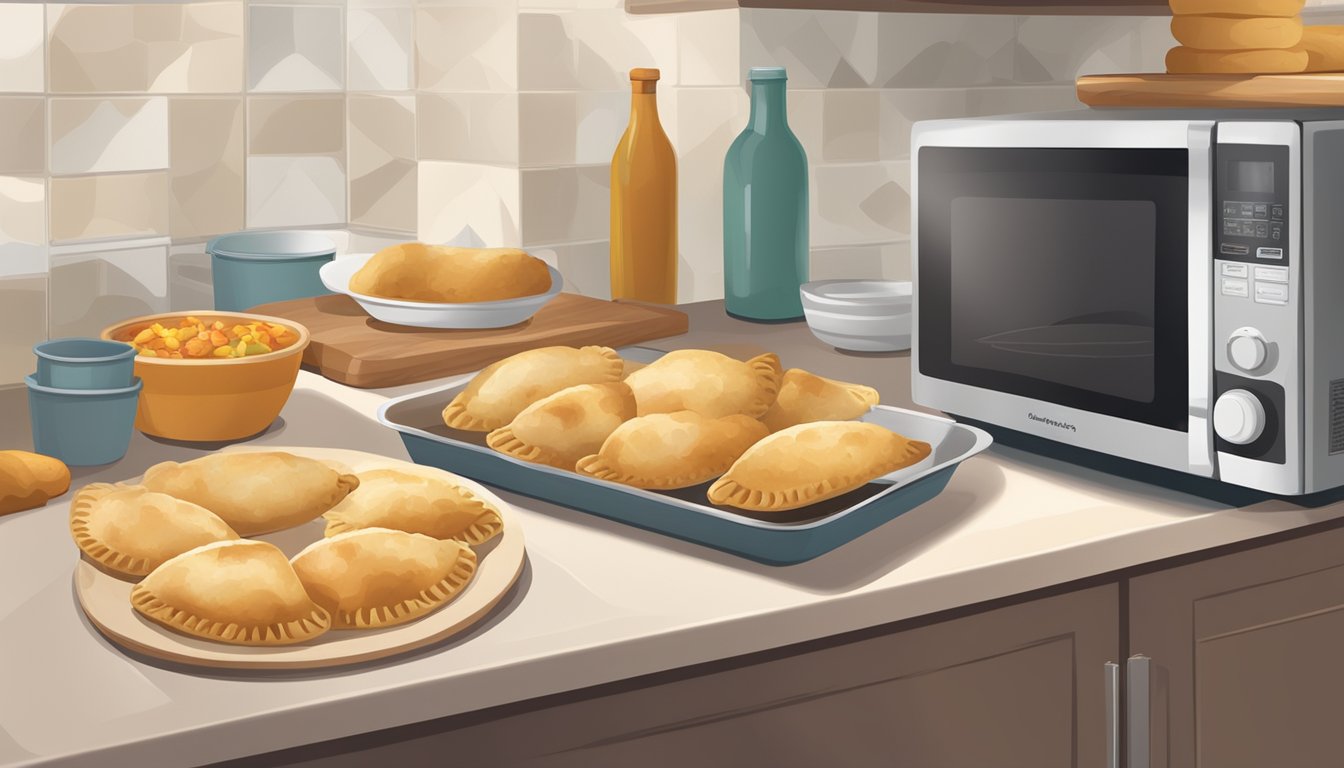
x,y
774,538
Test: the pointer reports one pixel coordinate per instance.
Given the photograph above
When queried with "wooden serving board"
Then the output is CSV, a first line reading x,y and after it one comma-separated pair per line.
x,y
106,599
1324,89
352,348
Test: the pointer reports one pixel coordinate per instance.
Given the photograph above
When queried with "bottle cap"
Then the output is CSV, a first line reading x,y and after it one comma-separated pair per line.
x,y
767,73
644,73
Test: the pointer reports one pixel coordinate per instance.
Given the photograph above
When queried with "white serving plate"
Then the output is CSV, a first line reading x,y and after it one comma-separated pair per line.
x,y
336,276
106,599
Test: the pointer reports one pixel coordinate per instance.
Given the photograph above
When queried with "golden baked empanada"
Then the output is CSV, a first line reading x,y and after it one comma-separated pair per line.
x,y
131,530
805,397
449,275
254,492
378,577
706,382
630,366
415,503
242,592
561,429
503,390
672,450
810,462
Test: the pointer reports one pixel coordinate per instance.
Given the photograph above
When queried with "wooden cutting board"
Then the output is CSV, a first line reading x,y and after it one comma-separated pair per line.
x,y
1264,91
352,348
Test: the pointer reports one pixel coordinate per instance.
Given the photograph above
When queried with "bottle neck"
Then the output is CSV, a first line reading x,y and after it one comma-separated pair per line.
x,y
767,105
643,106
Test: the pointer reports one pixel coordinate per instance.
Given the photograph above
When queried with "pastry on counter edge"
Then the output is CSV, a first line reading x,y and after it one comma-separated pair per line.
x,y
29,480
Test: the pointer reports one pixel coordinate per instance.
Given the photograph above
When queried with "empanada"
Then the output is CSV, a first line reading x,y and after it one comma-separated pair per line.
x,y
449,275
805,397
415,503
131,530
377,577
500,392
807,463
706,382
672,450
242,592
254,492
561,429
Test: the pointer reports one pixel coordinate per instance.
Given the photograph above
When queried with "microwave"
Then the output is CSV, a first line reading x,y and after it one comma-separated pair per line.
x,y
1161,286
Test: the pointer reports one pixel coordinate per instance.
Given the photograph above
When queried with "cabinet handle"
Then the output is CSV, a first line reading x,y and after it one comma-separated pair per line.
x,y
1139,684
1112,672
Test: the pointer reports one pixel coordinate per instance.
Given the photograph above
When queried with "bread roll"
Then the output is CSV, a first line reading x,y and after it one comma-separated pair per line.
x,y
1324,47
1229,33
1236,7
449,275
30,480
1188,61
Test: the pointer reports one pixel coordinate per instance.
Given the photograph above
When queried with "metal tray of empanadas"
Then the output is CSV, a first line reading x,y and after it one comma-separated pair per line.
x,y
777,538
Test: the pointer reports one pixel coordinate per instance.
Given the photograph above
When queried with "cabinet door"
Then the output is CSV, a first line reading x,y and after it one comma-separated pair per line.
x,y
1246,656
1015,686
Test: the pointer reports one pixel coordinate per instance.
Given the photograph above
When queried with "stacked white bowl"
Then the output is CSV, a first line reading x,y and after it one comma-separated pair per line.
x,y
859,315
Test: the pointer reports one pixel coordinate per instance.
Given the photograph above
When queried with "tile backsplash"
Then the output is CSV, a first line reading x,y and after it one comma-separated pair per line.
x,y
132,133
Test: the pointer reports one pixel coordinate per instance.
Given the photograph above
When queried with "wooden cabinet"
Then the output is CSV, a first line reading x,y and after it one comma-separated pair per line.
x,y
1246,656
1015,686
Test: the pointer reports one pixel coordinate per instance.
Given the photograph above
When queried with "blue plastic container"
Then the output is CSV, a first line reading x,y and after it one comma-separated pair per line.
x,y
84,364
82,427
251,268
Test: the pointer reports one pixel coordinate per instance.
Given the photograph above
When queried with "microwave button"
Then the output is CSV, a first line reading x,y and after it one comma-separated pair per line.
x,y
1261,230
1247,210
1234,270
1271,293
1234,249
1262,211
1276,233
1271,274
1231,209
1235,287
1276,212
1269,253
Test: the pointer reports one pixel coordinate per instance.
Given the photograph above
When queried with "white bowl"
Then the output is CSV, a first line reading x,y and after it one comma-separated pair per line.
x,y
336,276
859,315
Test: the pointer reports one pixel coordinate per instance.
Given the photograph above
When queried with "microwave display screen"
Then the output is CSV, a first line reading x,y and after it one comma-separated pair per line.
x,y
1056,289
1254,176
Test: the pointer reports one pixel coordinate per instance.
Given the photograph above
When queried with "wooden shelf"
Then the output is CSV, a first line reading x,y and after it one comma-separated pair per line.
x,y
1035,7
1252,91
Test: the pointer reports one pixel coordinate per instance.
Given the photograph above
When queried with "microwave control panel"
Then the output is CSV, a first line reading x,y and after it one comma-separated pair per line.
x,y
1251,204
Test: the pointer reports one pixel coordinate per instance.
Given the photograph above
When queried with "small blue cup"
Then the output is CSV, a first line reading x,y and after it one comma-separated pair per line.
x,y
82,427
85,364
251,268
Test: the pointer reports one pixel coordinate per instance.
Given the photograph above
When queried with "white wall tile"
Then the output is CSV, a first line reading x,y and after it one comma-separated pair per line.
x,y
710,48
883,261
382,162
466,48
382,42
93,289
1018,99
23,310
571,127
585,266
190,284
22,38
108,135
900,108
593,50
1060,48
832,49
565,204
296,48
862,203
471,127
23,135
468,204
23,226
295,191
943,50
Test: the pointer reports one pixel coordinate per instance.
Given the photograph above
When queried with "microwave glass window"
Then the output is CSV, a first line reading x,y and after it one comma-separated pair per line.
x,y
1253,176
1062,290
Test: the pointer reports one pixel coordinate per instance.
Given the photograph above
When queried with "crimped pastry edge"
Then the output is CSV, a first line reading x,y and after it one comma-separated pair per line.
x,y
487,525
424,602
597,467
769,373
81,506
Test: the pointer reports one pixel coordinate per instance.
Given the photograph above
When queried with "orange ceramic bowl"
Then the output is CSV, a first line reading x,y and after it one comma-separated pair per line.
x,y
212,399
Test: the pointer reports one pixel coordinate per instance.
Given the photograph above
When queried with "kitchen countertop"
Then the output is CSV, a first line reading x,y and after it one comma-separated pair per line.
x,y
597,602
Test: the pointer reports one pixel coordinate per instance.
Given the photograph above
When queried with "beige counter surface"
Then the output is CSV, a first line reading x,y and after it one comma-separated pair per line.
x,y
597,602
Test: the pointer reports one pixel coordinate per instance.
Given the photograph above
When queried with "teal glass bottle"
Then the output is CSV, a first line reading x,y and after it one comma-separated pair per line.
x,y
765,245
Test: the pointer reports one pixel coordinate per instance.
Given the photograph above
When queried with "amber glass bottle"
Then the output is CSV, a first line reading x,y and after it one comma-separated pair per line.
x,y
644,202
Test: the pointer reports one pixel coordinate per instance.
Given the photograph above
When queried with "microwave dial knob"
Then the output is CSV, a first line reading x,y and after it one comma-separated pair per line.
x,y
1246,349
1238,417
